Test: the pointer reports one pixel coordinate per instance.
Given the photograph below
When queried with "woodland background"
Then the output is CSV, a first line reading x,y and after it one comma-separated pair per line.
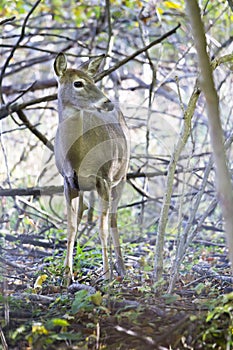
x,y
158,90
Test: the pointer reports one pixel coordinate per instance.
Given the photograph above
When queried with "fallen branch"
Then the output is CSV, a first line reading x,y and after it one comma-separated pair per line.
x,y
35,241
31,191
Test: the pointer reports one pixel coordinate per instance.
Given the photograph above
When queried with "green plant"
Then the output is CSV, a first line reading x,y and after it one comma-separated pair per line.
x,y
43,335
220,322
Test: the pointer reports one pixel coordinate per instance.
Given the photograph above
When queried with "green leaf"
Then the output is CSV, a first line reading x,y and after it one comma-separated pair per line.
x,y
56,322
81,301
199,288
96,298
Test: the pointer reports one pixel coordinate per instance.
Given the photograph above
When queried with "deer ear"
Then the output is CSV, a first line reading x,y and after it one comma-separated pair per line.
x,y
60,64
91,67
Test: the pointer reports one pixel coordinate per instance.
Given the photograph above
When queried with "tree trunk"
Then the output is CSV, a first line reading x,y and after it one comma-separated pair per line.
x,y
223,182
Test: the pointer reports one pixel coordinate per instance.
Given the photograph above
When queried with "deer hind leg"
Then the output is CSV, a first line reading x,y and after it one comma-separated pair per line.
x,y
104,194
81,208
116,195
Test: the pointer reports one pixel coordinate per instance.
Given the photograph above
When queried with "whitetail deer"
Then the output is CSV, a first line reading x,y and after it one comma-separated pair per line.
x,y
91,152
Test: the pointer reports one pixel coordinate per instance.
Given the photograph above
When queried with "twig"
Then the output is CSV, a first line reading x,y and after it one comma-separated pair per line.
x,y
140,190
136,53
206,271
144,37
3,339
16,46
11,19
184,135
7,262
108,11
34,130
147,340
37,85
22,93
184,239
8,109
5,156
43,299
185,132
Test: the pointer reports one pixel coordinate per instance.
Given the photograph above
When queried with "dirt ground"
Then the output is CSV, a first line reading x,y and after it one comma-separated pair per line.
x,y
38,312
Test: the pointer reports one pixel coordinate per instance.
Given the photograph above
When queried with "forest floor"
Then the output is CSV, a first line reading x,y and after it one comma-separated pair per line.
x,y
38,312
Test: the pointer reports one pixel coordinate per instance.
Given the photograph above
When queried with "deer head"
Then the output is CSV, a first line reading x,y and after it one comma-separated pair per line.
x,y
76,86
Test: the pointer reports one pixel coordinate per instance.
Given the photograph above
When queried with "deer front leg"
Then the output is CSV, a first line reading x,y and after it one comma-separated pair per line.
x,y
72,225
71,233
116,242
103,191
74,217
104,243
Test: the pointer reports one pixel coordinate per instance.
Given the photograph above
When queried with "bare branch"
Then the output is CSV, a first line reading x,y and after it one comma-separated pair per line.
x,y
34,130
31,191
9,109
184,135
16,45
11,19
135,54
37,85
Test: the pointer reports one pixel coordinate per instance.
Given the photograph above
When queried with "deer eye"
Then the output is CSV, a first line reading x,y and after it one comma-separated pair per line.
x,y
78,84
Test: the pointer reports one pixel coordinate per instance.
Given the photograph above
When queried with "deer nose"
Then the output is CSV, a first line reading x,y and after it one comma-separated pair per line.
x,y
108,105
